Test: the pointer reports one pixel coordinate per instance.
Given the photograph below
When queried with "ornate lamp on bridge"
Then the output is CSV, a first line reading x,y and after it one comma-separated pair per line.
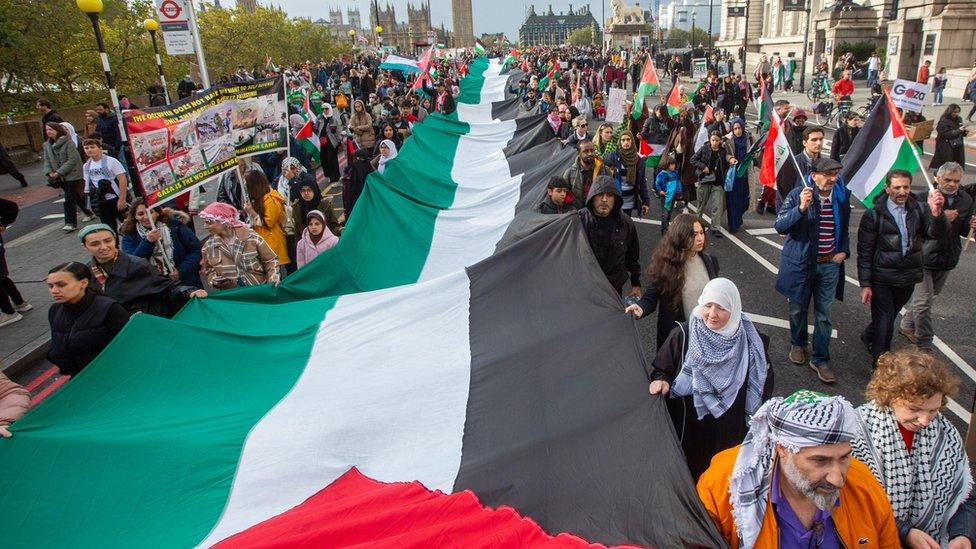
x,y
352,37
92,9
379,36
152,26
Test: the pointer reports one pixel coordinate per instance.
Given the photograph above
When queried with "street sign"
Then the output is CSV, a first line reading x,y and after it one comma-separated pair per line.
x,y
737,11
174,21
794,5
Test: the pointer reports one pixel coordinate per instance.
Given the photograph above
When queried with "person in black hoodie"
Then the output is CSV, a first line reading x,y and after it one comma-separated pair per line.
x,y
556,194
83,321
612,235
941,255
889,253
845,135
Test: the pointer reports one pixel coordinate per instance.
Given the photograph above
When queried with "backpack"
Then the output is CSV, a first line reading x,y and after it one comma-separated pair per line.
x,y
103,187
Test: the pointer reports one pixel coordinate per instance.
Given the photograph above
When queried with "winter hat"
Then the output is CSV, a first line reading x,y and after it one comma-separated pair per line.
x,y
95,227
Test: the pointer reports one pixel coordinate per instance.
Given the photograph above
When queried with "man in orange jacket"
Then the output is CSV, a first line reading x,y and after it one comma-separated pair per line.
x,y
793,482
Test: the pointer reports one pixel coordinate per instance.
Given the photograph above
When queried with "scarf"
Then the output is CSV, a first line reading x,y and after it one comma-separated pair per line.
x,y
925,486
306,206
719,362
555,122
162,254
384,159
740,143
629,157
801,420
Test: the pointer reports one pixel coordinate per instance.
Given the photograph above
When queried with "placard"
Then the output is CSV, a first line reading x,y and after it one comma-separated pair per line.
x,y
909,95
699,68
615,105
182,145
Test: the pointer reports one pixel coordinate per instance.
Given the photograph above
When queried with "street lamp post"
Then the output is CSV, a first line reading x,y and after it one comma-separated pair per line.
x,y
806,38
709,28
92,8
352,38
152,26
691,39
379,36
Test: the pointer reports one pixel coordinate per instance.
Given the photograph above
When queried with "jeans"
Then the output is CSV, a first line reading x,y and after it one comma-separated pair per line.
x,y
872,77
886,301
918,314
823,289
711,202
937,96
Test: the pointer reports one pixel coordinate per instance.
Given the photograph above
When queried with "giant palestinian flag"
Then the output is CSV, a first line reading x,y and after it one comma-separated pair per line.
x,y
445,344
880,146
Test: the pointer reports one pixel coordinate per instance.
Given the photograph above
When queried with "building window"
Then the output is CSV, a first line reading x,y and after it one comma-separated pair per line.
x,y
929,45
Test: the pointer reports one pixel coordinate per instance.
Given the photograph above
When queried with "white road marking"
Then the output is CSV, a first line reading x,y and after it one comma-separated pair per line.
x,y
756,232
53,216
957,409
732,238
780,323
776,245
33,235
648,221
58,201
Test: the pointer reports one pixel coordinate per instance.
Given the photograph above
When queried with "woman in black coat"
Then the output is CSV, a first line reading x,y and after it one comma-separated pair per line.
x,y
949,143
845,135
83,321
678,273
719,349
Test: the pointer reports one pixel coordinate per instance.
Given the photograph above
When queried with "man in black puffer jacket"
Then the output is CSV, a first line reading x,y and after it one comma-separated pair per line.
x,y
612,235
941,255
889,253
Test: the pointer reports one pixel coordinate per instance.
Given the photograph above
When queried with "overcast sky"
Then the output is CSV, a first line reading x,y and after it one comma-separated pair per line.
x,y
489,15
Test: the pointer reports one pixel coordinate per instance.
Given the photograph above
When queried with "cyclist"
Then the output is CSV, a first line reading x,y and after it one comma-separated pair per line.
x,y
843,89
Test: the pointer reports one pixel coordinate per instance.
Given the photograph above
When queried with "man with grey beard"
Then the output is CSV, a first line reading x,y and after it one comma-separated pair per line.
x,y
793,482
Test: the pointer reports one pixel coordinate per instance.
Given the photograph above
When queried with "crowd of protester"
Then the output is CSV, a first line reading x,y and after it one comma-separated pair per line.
x,y
808,470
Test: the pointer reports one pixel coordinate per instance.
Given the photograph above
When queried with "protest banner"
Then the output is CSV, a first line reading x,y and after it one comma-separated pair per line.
x,y
699,68
909,95
615,105
180,146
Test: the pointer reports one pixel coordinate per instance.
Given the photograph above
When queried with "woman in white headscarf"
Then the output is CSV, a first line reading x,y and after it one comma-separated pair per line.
x,y
388,151
715,371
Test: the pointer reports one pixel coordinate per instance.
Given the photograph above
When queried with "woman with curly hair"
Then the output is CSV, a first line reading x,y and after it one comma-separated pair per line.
x,y
678,273
916,453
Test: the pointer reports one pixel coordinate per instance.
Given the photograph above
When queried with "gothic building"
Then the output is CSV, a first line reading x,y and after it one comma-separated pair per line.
x,y
411,36
551,29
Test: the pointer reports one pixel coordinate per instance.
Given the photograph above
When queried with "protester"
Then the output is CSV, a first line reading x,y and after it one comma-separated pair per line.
x,y
813,138
266,210
310,198
387,152
889,253
14,403
627,168
950,138
737,198
329,142
715,369
234,255
8,167
579,134
361,124
83,321
941,255
359,169
107,125
169,245
11,302
612,235
62,166
711,163
682,146
793,482
668,188
815,220
557,192
316,238
105,183
604,141
678,273
129,280
845,135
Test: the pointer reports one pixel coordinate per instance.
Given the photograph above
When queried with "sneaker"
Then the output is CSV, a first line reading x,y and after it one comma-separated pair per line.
x,y
87,217
68,228
9,319
909,335
23,307
824,373
798,355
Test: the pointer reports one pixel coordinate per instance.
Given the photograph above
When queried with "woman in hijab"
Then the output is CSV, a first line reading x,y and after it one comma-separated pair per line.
x,y
629,175
582,102
388,151
329,143
737,200
555,123
316,238
310,198
949,143
359,168
715,371
361,124
681,146
916,453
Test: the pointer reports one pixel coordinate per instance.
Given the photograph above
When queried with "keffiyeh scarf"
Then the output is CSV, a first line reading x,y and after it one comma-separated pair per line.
x,y
925,486
802,420
162,255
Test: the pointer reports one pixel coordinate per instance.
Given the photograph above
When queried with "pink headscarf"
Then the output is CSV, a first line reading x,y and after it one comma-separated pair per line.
x,y
554,121
220,212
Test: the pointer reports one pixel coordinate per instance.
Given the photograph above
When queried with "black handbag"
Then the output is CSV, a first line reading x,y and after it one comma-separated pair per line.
x,y
707,179
55,182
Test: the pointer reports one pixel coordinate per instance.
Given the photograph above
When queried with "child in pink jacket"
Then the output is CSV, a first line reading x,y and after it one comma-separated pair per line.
x,y
316,238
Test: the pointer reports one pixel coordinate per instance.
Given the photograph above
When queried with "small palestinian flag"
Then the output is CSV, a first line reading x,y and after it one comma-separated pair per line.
x,y
651,153
701,136
674,100
479,48
649,84
306,134
553,74
510,58
879,147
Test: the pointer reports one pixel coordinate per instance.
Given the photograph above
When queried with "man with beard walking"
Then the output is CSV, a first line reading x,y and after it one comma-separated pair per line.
x,y
612,235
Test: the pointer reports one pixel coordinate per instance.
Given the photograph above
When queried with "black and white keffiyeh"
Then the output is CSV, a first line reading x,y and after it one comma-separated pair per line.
x,y
802,420
925,486
719,362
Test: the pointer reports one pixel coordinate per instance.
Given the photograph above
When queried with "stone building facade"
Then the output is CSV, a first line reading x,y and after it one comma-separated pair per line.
x,y
551,28
463,21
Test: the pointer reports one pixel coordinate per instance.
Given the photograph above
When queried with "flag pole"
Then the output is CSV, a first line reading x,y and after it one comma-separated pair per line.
x,y
901,124
799,172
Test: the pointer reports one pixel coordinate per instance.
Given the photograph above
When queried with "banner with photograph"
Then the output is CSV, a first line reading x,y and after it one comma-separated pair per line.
x,y
182,145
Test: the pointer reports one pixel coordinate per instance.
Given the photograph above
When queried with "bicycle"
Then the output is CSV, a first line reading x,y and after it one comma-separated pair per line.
x,y
829,113
819,88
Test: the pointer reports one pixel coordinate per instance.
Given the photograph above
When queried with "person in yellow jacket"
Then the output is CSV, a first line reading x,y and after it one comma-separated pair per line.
x,y
265,208
793,482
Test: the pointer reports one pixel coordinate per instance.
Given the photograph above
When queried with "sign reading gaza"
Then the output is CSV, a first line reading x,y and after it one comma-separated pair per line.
x,y
182,145
909,95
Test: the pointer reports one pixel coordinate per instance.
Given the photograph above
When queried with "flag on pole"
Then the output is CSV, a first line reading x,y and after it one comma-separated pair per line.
x,y
306,134
552,74
881,145
424,66
651,153
765,106
510,58
777,156
701,136
479,48
674,100
694,93
649,84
